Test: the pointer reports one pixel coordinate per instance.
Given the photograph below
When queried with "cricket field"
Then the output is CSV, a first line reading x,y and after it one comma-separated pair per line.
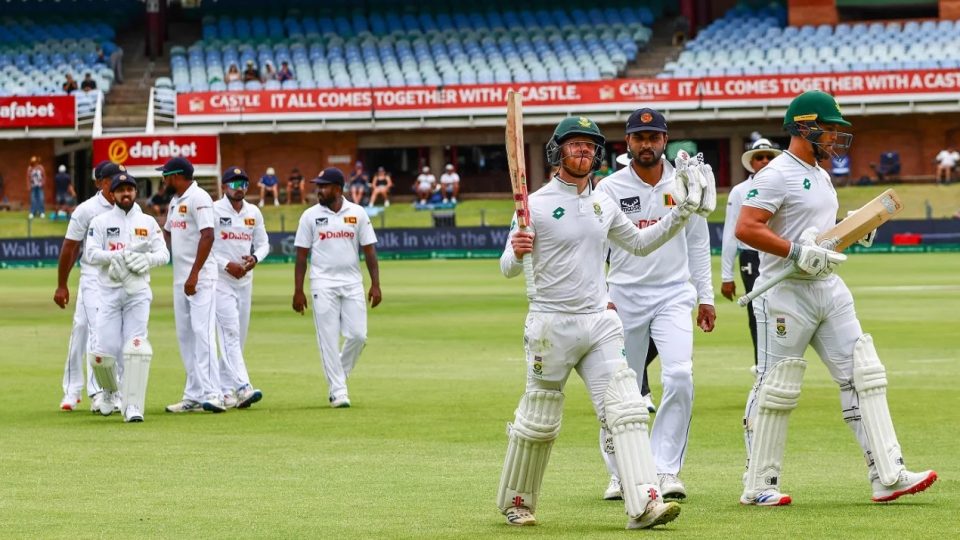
x,y
419,453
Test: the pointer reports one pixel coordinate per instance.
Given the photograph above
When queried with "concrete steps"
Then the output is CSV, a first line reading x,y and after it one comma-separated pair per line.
x,y
659,51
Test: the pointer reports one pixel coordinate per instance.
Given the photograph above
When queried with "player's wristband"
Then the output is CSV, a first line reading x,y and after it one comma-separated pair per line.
x,y
255,259
794,254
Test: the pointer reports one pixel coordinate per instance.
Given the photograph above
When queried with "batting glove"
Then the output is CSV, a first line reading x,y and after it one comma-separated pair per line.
x,y
815,260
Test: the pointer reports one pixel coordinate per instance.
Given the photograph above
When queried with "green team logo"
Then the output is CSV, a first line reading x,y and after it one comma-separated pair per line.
x,y
806,183
559,212
752,193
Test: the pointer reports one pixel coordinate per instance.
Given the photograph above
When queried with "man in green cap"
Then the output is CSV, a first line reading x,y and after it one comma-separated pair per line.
x,y
793,201
569,327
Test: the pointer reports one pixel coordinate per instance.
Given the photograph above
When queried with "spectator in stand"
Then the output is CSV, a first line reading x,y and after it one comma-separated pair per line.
x,y
359,183
251,73
88,84
233,74
70,85
116,64
450,184
101,57
425,185
270,183
382,182
36,177
65,196
285,73
295,186
947,160
681,26
603,171
269,74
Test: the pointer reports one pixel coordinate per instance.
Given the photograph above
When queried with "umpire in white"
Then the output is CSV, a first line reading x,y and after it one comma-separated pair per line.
x,y
332,233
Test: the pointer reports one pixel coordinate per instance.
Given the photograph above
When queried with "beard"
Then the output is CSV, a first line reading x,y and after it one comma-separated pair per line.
x,y
125,204
647,158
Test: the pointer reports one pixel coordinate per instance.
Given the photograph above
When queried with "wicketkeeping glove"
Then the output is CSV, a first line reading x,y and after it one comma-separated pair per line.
x,y
136,262
118,270
688,185
709,202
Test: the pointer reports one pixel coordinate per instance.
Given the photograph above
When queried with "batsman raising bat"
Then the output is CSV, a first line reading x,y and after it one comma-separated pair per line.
x,y
570,328
791,203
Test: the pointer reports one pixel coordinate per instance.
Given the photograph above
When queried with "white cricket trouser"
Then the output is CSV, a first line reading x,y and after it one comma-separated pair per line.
x,y
121,317
337,311
664,314
233,320
82,338
796,313
558,343
195,318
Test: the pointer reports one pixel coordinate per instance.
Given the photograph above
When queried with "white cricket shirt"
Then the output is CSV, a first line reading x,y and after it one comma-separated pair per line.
x,y
237,234
800,196
683,258
334,240
449,178
116,230
569,248
728,250
189,214
79,224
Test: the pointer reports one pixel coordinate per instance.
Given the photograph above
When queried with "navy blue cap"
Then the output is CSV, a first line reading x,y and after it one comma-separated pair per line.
x,y
232,174
646,119
330,175
109,169
177,165
121,179
98,168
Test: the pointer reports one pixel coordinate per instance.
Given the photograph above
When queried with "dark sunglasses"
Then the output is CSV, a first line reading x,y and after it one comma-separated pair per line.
x,y
762,157
238,184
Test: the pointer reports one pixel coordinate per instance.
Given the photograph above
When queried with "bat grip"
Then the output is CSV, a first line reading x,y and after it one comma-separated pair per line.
x,y
766,286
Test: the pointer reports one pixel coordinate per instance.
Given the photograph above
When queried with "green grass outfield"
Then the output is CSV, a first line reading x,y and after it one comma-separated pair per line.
x,y
944,202
419,454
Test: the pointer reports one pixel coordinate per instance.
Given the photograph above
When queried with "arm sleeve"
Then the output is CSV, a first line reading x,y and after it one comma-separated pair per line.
x,y
643,241
261,242
203,213
728,250
93,247
365,234
79,223
698,258
768,192
159,255
304,237
509,265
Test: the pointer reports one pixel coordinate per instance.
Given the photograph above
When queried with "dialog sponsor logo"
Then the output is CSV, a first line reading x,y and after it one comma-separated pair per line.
x,y
230,235
334,235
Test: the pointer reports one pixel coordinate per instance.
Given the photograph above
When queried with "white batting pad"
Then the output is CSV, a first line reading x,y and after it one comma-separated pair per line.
x,y
105,370
626,417
777,395
531,437
870,381
136,367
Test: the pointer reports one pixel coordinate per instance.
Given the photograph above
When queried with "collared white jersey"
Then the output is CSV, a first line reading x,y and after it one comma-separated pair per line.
x,y
683,258
426,180
449,178
80,223
571,232
116,230
799,195
237,234
189,214
334,240
728,250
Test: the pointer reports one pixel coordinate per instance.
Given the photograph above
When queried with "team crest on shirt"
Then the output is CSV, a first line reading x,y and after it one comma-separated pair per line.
x,y
182,209
320,222
597,210
350,220
142,233
538,366
226,221
90,232
113,231
249,222
781,327
668,200
630,204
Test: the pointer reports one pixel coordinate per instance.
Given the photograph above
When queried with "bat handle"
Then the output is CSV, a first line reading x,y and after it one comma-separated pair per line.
x,y
528,275
766,286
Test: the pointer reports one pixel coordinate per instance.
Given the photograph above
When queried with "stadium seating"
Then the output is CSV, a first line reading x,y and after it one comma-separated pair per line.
x,y
391,49
35,57
757,42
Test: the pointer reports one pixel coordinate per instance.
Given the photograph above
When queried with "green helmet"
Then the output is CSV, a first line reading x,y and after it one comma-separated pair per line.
x,y
814,106
569,127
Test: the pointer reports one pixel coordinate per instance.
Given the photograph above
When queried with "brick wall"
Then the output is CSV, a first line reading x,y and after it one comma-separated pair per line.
x,y
309,152
917,137
14,158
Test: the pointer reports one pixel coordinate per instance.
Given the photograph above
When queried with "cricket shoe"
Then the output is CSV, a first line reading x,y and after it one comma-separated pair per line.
x,y
671,487
95,401
230,400
247,396
106,403
520,516
614,491
657,513
214,404
340,402
648,402
187,405
908,483
69,402
767,497
132,414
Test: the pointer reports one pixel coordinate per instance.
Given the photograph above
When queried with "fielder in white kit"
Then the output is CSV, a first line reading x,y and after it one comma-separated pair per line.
x,y
123,244
332,232
654,295
83,334
791,202
240,243
570,328
189,229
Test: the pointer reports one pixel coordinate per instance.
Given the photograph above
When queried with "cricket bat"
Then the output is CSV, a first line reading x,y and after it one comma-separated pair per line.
x,y
843,234
518,177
